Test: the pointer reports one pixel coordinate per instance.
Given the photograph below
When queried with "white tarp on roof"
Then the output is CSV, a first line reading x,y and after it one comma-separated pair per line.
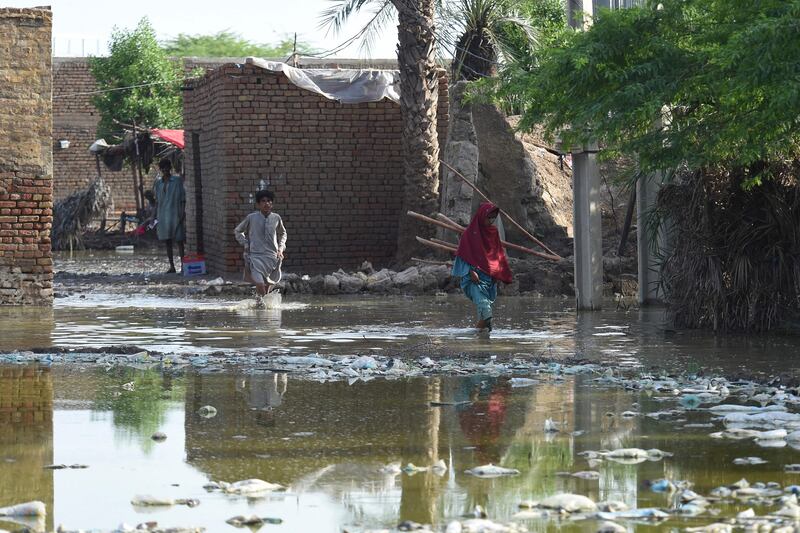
x,y
348,86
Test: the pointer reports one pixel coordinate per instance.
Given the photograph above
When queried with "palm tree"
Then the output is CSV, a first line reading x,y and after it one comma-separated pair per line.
x,y
483,34
419,95
476,33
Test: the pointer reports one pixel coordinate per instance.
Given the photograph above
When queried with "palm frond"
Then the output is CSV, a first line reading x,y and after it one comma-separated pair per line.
x,y
336,17
383,15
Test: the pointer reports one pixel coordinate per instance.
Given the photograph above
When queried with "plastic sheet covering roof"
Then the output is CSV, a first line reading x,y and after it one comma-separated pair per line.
x,y
348,86
174,137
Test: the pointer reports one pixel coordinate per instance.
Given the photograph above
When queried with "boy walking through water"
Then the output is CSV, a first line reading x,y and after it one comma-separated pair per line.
x,y
264,239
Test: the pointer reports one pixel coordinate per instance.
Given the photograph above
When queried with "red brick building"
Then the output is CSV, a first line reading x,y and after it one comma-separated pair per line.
x,y
75,120
26,156
336,169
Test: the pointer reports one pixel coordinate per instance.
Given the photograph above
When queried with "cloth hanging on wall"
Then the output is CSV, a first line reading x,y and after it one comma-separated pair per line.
x,y
348,86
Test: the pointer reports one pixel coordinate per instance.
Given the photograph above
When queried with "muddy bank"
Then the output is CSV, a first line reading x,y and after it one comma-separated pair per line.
x,y
145,273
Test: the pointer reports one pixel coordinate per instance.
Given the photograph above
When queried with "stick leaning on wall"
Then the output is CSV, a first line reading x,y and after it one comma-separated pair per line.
x,y
502,212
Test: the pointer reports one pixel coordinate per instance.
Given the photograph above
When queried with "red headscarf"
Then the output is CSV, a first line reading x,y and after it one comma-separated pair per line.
x,y
480,245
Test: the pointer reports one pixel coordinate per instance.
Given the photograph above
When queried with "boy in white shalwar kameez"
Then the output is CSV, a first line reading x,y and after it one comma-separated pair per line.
x,y
264,239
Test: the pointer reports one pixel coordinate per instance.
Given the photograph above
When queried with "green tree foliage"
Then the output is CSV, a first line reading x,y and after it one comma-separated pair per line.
x,y
700,83
228,44
707,91
545,24
141,84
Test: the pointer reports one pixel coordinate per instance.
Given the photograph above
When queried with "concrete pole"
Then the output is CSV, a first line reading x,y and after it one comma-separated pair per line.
x,y
588,242
647,251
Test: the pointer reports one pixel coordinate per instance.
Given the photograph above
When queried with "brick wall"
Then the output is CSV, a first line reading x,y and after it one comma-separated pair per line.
x,y
26,184
336,169
75,119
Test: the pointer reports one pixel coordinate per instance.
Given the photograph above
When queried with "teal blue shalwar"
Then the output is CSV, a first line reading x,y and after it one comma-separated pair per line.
x,y
483,294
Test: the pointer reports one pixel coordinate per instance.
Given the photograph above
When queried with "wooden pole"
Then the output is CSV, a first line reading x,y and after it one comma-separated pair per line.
x,y
135,187
508,217
450,221
431,262
460,229
429,220
431,244
138,163
444,243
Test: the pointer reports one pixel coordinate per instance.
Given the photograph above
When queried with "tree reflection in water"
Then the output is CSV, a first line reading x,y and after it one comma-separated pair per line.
x,y
139,412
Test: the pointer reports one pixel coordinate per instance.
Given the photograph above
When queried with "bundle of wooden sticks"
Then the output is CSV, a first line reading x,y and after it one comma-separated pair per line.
x,y
444,222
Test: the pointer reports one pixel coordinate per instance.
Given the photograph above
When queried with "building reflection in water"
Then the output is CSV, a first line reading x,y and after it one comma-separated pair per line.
x,y
26,440
26,327
332,438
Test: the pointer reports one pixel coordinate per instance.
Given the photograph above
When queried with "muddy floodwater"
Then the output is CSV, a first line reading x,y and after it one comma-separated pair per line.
x,y
390,325
327,443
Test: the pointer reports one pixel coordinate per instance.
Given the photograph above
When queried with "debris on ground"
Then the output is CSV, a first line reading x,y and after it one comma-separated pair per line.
x,y
491,470
34,508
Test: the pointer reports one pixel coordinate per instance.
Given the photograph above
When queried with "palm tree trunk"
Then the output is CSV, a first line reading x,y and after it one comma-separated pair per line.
x,y
419,95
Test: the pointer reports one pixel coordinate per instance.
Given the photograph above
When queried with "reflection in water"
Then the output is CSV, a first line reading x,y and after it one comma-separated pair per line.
x,y
420,492
264,393
327,442
26,440
483,419
26,327
138,401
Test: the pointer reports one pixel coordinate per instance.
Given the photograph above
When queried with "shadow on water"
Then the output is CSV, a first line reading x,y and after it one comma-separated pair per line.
x,y
327,442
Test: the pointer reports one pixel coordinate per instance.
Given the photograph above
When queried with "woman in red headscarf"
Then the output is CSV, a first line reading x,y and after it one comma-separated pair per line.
x,y
480,262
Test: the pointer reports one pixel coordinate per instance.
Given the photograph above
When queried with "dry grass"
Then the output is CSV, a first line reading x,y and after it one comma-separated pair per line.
x,y
733,261
72,214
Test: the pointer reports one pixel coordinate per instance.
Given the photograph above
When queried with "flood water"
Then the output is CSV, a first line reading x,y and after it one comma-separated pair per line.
x,y
327,442
391,325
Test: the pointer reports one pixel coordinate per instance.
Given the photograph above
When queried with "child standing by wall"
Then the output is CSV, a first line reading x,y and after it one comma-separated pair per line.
x,y
264,239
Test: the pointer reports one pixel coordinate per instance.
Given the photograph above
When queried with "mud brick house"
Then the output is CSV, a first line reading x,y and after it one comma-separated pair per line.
x,y
336,168
26,157
75,120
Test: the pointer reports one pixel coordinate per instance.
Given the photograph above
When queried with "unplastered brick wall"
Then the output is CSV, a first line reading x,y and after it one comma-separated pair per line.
x,y
75,120
26,185
337,169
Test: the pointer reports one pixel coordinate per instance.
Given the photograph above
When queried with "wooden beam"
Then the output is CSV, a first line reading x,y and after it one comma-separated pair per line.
x,y
432,244
502,212
461,229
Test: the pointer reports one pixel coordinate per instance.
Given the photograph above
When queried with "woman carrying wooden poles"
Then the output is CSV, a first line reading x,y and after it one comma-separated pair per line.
x,y
480,262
